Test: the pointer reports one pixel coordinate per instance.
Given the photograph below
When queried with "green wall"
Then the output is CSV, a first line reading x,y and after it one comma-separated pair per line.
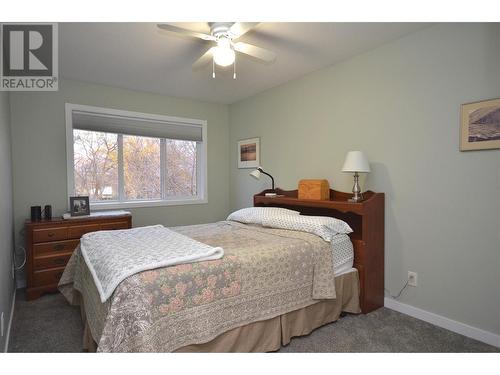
x,y
6,224
39,149
400,104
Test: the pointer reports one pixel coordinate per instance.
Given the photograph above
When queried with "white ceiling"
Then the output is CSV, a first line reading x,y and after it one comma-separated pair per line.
x,y
139,56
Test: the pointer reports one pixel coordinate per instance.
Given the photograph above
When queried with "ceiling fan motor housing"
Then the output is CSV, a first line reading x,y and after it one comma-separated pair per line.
x,y
220,29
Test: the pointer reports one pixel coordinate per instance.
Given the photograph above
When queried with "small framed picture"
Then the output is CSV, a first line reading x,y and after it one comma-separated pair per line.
x,y
480,128
79,206
249,153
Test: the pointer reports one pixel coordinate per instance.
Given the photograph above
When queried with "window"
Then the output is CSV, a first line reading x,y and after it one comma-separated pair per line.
x,y
141,167
129,159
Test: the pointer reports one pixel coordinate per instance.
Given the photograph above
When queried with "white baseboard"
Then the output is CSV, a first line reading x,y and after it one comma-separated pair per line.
x,y
6,349
443,322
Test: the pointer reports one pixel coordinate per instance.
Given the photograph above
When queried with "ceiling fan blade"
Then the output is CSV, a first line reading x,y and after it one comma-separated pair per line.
x,y
204,59
240,28
180,30
254,51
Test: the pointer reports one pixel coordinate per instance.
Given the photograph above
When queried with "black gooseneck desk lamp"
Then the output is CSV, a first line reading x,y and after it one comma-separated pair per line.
x,y
257,173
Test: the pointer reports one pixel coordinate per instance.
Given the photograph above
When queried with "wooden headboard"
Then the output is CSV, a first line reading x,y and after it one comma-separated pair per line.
x,y
366,218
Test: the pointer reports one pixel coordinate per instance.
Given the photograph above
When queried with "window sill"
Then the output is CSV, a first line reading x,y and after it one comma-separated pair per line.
x,y
137,204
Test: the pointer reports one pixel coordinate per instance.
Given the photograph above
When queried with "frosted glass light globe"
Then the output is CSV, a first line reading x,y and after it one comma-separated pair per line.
x,y
223,54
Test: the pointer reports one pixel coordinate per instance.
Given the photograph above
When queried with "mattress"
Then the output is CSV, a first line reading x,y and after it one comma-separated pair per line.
x,y
265,273
343,254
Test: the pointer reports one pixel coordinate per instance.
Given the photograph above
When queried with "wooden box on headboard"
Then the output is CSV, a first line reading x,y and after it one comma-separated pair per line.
x,y
366,218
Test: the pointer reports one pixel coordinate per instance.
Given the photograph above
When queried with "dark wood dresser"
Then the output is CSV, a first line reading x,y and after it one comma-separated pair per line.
x,y
50,243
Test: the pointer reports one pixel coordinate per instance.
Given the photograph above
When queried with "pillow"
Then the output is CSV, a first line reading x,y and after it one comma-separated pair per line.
x,y
255,215
323,226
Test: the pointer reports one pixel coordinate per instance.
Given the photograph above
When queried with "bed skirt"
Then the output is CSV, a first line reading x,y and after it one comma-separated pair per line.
x,y
269,335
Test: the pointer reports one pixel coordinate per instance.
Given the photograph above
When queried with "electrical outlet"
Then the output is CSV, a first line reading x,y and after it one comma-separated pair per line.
x,y
1,325
412,278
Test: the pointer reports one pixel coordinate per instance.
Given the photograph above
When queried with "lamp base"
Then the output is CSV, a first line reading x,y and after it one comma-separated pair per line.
x,y
356,190
354,200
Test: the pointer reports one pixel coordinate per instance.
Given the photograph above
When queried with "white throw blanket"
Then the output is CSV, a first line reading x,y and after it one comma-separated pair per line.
x,y
112,256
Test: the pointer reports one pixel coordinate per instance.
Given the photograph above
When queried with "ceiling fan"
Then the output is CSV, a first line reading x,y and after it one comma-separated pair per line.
x,y
223,46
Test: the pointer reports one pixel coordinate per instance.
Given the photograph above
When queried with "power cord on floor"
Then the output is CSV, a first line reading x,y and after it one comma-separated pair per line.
x,y
16,252
23,263
399,294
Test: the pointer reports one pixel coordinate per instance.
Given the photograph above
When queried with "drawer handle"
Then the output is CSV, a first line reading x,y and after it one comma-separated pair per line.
x,y
51,234
59,247
59,261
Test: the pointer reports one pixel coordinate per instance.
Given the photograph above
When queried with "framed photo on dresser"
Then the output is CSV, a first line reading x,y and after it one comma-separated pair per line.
x,y
79,206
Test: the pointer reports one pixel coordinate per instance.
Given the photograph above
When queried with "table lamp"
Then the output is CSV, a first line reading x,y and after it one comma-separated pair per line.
x,y
356,162
256,174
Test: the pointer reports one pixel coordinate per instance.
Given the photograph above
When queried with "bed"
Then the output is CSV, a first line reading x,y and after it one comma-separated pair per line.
x,y
271,285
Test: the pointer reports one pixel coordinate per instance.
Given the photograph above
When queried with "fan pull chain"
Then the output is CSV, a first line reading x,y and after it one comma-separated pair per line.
x,y
213,68
234,68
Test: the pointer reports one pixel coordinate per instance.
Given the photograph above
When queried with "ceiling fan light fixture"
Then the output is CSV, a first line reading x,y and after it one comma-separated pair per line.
x,y
223,54
223,44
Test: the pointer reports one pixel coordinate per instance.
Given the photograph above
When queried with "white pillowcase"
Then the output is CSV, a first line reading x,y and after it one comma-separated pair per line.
x,y
323,226
256,215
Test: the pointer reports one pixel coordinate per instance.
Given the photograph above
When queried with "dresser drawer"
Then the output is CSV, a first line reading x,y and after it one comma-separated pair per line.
x,y
115,225
47,277
51,261
50,244
50,234
55,247
76,231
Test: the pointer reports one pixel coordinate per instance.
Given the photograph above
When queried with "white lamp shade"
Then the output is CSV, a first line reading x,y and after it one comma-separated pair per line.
x,y
356,161
255,174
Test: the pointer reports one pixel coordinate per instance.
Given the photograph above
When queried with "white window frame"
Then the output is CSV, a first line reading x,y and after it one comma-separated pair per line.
x,y
201,159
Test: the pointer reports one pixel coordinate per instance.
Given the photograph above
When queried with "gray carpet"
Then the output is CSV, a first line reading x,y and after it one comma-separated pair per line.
x,y
49,324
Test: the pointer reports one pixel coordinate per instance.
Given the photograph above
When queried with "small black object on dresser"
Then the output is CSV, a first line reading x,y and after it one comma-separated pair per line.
x,y
47,212
36,213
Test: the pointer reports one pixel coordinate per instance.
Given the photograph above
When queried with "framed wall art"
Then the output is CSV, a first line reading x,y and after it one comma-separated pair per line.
x,y
249,153
480,128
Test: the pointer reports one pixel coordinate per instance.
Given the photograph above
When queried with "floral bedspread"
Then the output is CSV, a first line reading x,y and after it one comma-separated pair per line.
x,y
264,273
189,285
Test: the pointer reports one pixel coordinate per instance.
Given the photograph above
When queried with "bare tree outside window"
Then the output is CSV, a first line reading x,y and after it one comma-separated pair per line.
x,y
97,166
141,164
181,168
